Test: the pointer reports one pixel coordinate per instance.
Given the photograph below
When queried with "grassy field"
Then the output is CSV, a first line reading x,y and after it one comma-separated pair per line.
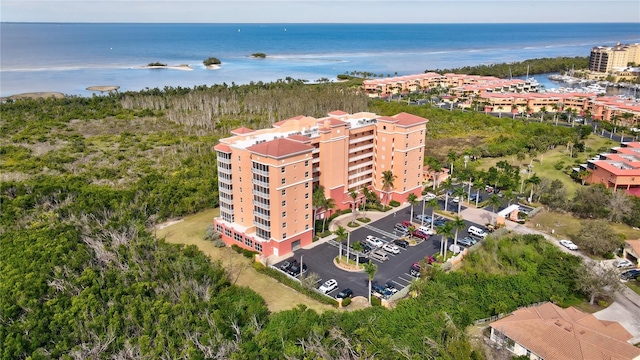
x,y
543,165
565,224
190,230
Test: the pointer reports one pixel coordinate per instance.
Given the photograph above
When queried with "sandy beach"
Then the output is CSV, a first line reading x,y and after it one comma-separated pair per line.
x,y
37,95
213,67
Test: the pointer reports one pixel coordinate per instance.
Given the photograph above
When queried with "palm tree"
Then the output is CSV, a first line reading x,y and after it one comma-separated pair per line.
x,y
317,201
583,175
341,234
534,181
447,187
457,224
433,203
365,195
371,270
494,201
500,108
460,194
387,183
412,199
451,158
329,204
543,111
514,110
354,196
446,231
357,247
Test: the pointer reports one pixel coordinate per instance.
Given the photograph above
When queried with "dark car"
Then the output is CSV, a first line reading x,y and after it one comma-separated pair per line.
x,y
420,234
361,259
475,196
391,287
402,243
380,289
344,293
439,222
294,270
630,274
287,264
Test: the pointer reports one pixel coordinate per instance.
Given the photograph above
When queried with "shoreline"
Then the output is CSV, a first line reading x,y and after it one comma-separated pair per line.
x,y
213,67
183,67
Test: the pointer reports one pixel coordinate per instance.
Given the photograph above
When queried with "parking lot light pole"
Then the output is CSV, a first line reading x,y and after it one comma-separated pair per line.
x,y
301,264
424,199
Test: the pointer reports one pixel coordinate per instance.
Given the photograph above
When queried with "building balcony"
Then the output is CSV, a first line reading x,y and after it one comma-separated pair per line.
x,y
360,166
261,215
262,226
362,173
223,160
260,172
224,190
223,170
260,183
361,182
360,139
361,148
261,205
360,157
260,193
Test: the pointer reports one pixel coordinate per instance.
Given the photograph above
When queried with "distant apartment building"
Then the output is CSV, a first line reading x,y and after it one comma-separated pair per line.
x,y
603,59
619,169
457,84
266,177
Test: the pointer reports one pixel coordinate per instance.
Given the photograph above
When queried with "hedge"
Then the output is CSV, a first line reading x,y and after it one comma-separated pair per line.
x,y
288,281
346,302
246,253
394,203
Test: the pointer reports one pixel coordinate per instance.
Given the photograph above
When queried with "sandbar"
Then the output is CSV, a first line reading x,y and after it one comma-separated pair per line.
x,y
37,95
104,88
213,67
173,67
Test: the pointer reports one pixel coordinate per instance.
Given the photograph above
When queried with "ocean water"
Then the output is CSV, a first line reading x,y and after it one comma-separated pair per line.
x,y
69,57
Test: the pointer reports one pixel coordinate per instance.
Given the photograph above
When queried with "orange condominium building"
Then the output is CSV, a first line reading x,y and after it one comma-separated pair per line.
x,y
617,170
266,177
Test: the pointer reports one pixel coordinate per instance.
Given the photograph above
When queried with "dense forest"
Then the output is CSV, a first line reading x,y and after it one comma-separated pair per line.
x,y
520,68
82,276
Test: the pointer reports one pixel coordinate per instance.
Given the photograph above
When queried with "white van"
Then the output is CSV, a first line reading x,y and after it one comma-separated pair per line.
x,y
379,255
475,231
426,229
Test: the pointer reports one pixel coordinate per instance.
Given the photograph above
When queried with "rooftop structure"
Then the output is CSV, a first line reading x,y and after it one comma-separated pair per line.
x,y
619,169
550,332
266,177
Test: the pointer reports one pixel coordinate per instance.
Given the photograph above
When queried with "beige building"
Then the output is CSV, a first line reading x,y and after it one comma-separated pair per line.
x,y
603,59
266,177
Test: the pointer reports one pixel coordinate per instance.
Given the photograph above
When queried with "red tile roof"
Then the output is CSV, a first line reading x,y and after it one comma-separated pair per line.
x,y
282,122
338,113
331,122
555,333
241,131
407,119
223,148
300,138
279,148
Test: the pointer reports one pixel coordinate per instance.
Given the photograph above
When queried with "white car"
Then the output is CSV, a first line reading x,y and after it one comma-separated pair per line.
x,y
569,244
391,249
429,196
328,286
374,241
623,263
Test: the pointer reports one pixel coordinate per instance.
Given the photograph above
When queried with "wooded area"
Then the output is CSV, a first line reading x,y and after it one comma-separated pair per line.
x,y
82,277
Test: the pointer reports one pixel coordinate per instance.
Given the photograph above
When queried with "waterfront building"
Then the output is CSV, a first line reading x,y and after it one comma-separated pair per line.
x,y
604,59
267,177
619,169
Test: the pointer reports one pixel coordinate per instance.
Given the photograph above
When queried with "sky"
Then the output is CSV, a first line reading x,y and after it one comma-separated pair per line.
x,y
315,11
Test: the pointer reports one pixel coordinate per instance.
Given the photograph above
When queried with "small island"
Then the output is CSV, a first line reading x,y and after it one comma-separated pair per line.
x,y
212,63
156,64
159,65
259,55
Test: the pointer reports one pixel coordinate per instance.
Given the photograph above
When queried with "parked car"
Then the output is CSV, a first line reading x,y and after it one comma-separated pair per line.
x,y
328,286
402,243
391,287
287,264
360,259
420,234
427,230
401,228
622,263
294,270
431,260
393,249
374,241
455,199
380,289
429,196
408,224
425,218
467,241
344,293
439,222
630,274
475,196
477,232
568,244
415,269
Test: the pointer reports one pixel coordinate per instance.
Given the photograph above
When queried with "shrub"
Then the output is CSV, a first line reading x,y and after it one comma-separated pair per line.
x,y
211,61
343,77
394,203
376,301
346,302
219,243
259,55
211,234
246,253
559,165
157,63
364,220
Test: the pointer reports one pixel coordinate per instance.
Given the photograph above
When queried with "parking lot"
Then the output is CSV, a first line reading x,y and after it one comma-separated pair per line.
x,y
395,270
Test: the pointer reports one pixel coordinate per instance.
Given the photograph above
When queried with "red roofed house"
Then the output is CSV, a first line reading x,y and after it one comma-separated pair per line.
x,y
631,251
266,177
618,170
553,333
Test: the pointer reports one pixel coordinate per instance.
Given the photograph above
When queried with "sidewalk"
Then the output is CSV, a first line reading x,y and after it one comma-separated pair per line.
x,y
374,215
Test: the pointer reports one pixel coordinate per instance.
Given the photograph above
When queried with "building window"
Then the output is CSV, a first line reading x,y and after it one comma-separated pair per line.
x,y
405,171
284,235
306,196
218,228
306,206
306,163
284,225
283,181
227,232
284,203
407,136
306,185
248,242
306,216
306,174
405,163
284,214
258,247
284,192
237,237
282,169
306,227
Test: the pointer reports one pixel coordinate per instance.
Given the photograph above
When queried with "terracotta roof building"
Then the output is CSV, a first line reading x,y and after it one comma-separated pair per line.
x,y
631,251
266,177
552,333
619,169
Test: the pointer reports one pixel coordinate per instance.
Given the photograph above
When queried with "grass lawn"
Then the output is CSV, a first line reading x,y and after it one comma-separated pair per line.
x,y
566,224
545,167
634,285
277,296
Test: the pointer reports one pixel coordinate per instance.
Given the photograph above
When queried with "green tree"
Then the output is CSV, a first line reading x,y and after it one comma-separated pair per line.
x,y
387,183
457,224
451,158
354,196
460,193
341,234
433,204
446,231
533,182
597,238
412,199
370,269
329,204
595,280
494,202
318,200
